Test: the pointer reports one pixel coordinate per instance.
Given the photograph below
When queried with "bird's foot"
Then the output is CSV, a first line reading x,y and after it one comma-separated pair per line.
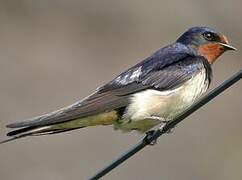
x,y
169,131
147,138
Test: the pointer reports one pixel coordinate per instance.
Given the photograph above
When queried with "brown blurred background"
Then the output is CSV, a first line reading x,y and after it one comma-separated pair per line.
x,y
53,53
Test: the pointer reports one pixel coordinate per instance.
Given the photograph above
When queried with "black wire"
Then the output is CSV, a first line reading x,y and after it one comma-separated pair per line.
x,y
147,140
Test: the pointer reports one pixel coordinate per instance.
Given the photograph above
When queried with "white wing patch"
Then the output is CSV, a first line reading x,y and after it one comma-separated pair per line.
x,y
135,75
129,77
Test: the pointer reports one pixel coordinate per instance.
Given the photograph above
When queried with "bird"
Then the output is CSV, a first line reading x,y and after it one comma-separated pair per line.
x,y
145,96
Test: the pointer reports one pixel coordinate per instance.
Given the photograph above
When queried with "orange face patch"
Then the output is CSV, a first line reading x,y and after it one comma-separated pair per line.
x,y
211,51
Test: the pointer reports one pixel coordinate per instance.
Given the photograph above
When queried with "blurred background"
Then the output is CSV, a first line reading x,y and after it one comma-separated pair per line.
x,y
53,53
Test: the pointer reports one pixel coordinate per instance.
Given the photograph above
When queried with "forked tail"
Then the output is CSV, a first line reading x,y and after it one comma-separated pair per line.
x,y
106,118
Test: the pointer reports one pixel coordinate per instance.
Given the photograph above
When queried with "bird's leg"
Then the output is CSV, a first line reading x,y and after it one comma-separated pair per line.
x,y
163,123
169,131
151,132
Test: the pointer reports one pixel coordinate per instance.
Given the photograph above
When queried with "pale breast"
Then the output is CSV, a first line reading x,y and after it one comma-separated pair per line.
x,y
167,104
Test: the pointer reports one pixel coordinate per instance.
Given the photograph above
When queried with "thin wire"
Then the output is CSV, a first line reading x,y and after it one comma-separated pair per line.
x,y
147,140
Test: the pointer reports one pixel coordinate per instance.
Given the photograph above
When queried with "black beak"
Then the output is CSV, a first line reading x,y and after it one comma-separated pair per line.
x,y
228,47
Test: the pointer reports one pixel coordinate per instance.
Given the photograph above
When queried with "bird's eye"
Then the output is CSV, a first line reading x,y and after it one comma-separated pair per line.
x,y
209,36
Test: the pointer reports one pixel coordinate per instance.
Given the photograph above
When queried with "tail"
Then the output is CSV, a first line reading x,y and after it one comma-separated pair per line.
x,y
107,118
30,131
9,139
17,134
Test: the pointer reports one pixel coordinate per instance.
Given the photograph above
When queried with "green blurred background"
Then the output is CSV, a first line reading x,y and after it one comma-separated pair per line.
x,y
53,53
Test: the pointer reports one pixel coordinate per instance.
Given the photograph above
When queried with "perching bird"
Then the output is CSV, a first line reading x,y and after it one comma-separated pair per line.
x,y
151,92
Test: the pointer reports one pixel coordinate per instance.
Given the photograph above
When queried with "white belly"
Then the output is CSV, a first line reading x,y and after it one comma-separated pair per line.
x,y
166,104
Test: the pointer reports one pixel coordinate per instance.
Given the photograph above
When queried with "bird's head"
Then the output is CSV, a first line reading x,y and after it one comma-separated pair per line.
x,y
206,42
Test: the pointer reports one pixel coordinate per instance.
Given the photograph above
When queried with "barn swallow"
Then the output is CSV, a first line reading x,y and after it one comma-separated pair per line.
x,y
150,93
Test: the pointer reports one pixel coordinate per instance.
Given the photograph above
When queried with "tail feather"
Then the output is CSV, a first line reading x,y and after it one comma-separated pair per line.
x,y
107,118
20,131
23,132
11,139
